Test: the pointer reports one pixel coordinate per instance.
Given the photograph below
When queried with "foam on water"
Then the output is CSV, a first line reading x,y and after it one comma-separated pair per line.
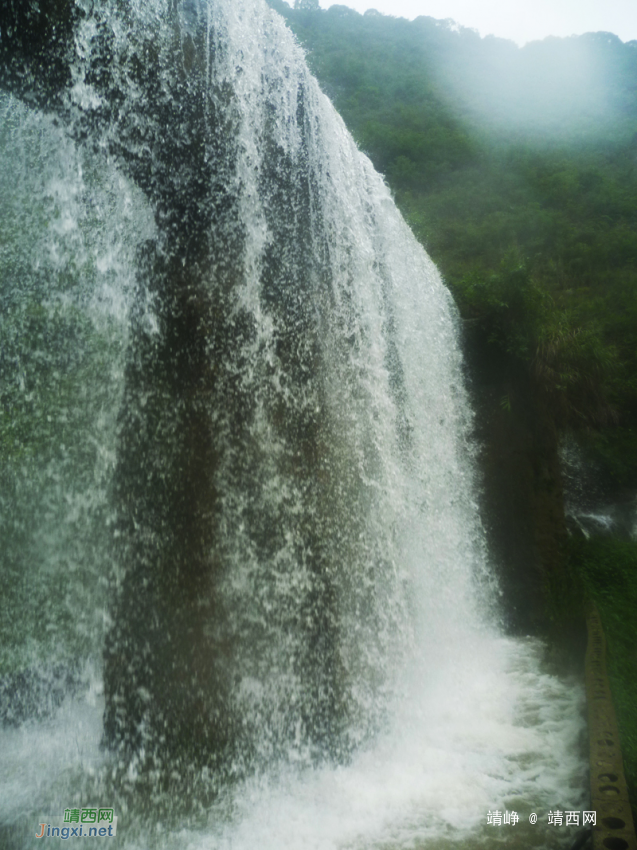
x,y
490,732
463,719
487,731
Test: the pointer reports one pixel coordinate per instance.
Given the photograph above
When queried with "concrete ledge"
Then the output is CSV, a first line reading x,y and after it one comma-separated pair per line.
x,y
614,829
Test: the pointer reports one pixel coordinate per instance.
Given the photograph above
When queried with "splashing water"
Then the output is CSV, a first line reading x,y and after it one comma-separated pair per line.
x,y
378,703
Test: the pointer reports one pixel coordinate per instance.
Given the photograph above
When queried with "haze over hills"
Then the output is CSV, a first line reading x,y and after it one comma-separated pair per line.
x,y
557,84
497,155
233,401
515,20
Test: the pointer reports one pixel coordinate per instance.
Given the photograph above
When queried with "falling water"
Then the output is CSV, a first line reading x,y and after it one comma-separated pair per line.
x,y
346,586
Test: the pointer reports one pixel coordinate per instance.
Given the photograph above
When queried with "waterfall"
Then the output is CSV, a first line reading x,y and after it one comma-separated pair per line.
x,y
246,595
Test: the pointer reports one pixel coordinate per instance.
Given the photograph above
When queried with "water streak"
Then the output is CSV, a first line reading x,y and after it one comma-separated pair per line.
x,y
294,479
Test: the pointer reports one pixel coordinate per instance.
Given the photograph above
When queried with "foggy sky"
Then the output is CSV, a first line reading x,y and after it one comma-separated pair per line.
x,y
518,20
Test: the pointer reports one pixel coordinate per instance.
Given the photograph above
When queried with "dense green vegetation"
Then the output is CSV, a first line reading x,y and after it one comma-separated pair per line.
x,y
517,169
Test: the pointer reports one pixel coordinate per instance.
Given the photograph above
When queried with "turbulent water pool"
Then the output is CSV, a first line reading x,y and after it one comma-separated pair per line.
x,y
474,733
238,494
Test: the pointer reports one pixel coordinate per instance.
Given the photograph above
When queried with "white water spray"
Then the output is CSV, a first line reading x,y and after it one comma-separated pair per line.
x,y
351,328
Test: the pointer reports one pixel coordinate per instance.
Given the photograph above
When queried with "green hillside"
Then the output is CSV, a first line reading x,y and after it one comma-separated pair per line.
x,y
517,169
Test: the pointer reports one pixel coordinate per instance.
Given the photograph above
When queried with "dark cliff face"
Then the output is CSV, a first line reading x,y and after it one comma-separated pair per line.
x,y
522,502
36,49
150,100
146,101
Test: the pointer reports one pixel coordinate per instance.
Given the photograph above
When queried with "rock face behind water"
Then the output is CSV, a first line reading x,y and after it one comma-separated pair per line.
x,y
36,693
293,439
523,490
